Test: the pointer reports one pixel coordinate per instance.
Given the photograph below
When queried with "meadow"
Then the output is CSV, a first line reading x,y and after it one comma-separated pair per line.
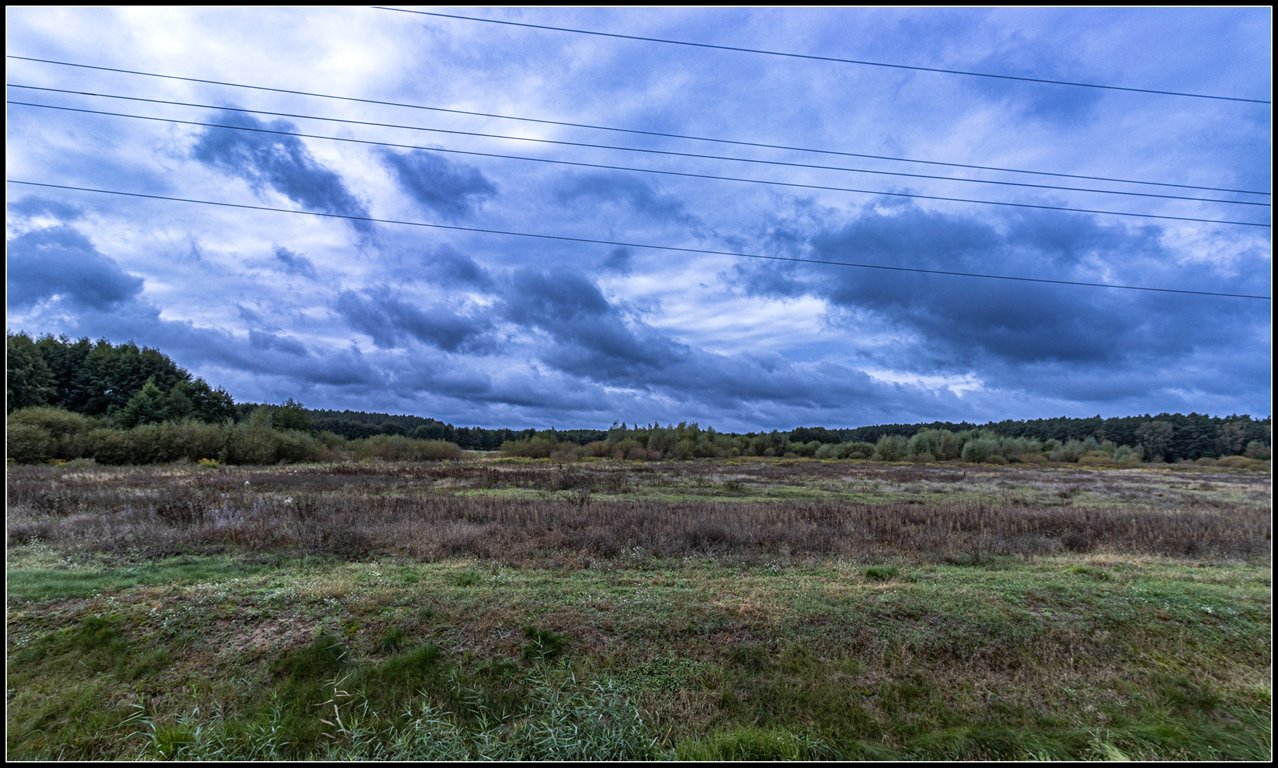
x,y
499,608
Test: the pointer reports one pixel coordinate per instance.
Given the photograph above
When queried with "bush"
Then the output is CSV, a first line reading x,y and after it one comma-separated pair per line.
x,y
108,445
148,446
400,448
981,449
891,448
332,441
1030,458
1257,450
536,447
29,444
858,450
827,451
1242,462
294,446
67,429
175,441
1128,455
1073,450
1096,459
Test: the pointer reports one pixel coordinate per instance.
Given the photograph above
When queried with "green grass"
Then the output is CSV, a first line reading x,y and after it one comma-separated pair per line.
x,y
52,581
294,648
1064,658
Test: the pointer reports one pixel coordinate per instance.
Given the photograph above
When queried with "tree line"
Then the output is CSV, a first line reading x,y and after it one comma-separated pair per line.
x,y
140,406
1154,440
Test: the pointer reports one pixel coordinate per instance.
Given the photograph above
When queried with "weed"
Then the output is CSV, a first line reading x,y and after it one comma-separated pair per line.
x,y
882,572
751,744
467,579
391,640
542,644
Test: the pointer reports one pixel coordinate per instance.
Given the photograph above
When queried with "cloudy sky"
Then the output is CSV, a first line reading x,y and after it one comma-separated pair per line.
x,y
436,148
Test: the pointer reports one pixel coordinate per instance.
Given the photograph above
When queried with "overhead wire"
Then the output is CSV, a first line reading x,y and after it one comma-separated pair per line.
x,y
832,59
683,174
587,145
655,134
648,246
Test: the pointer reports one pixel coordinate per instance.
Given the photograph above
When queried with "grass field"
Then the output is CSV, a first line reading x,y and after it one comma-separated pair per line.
x,y
703,610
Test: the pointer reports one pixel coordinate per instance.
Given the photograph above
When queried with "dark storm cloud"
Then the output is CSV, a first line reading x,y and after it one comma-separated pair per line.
x,y
590,336
391,320
602,189
61,261
266,340
337,368
554,299
445,266
294,263
264,355
619,261
282,163
41,206
454,190
593,339
966,320
1085,348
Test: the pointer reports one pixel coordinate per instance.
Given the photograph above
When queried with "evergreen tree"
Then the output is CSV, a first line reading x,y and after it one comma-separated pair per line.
x,y
29,380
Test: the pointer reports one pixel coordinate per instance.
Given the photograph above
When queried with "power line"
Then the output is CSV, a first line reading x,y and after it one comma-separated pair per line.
x,y
657,134
700,156
828,58
648,246
682,174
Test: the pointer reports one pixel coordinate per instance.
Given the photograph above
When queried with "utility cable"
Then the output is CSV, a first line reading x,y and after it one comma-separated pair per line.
x,y
658,134
692,155
647,246
828,58
682,174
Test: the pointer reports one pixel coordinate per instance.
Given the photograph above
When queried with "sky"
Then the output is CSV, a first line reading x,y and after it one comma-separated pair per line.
x,y
512,226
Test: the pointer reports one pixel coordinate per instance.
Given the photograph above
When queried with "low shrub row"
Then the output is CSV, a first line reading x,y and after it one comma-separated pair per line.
x,y
43,434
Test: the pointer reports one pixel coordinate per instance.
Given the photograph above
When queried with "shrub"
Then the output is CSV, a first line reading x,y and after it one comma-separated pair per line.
x,y
535,447
891,448
981,449
1241,462
109,446
332,441
400,448
148,446
1128,455
251,443
67,429
1030,458
295,446
828,451
1096,459
29,444
193,439
858,450
1257,450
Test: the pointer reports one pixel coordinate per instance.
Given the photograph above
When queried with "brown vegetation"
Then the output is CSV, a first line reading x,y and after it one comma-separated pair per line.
x,y
546,514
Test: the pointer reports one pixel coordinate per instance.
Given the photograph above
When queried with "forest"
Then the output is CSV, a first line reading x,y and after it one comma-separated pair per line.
x,y
69,398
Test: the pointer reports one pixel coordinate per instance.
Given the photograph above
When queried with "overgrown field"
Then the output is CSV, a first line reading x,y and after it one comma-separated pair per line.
x,y
513,609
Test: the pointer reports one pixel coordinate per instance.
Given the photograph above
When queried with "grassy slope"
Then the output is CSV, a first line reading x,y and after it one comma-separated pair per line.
x,y
1086,656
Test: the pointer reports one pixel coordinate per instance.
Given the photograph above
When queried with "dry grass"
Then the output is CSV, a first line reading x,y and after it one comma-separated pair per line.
x,y
535,513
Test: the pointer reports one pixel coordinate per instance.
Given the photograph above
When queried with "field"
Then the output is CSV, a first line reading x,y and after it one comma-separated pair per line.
x,y
520,609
